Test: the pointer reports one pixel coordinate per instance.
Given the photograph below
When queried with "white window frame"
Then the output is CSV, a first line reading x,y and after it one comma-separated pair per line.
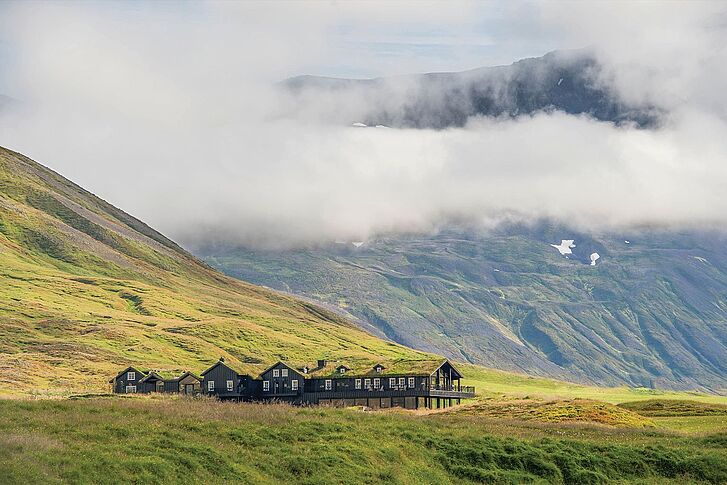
x,y
378,369
328,385
294,385
402,382
342,370
131,376
392,382
276,372
358,383
210,386
284,372
130,389
411,382
367,383
230,386
377,383
266,386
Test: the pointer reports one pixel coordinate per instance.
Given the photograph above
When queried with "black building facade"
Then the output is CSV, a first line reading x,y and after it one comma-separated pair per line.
x,y
424,384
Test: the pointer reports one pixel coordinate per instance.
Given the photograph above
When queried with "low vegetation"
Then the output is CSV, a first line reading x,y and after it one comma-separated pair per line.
x,y
675,407
557,411
162,440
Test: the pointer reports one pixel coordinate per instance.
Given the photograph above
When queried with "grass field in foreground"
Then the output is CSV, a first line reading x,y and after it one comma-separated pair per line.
x,y
165,440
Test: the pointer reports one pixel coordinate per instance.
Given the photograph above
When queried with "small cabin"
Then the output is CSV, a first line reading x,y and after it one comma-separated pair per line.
x,y
223,381
127,381
281,382
152,382
187,384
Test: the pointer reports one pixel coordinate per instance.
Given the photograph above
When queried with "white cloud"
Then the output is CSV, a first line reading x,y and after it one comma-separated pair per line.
x,y
169,114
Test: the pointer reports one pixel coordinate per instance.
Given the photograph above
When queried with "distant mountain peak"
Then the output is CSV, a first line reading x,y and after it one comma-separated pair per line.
x,y
570,81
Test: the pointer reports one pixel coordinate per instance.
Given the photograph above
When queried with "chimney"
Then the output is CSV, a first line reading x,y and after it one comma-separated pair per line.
x,y
222,359
321,363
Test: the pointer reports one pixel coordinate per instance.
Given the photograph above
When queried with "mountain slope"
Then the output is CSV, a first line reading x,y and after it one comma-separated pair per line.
x,y
86,289
650,312
570,81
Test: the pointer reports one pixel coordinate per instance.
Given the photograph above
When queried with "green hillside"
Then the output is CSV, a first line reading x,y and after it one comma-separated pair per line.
x,y
86,289
651,312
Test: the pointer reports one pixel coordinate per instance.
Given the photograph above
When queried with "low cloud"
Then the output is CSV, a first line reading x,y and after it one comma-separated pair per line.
x,y
173,116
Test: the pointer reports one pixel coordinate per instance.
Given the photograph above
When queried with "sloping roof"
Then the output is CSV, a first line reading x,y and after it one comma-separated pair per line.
x,y
151,375
423,367
285,364
143,373
185,375
219,362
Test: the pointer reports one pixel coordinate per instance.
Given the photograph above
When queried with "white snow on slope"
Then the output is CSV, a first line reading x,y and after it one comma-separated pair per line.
x,y
565,246
358,244
359,125
595,257
560,81
627,242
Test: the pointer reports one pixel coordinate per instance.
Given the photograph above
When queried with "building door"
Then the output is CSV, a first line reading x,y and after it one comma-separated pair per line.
x,y
189,389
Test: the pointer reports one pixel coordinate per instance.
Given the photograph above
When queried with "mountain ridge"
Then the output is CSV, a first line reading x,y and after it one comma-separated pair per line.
x,y
573,81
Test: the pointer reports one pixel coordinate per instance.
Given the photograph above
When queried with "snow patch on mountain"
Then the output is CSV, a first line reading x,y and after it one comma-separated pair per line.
x,y
565,246
595,257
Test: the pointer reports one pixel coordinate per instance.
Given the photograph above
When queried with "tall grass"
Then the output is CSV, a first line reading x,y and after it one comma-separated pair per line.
x,y
163,440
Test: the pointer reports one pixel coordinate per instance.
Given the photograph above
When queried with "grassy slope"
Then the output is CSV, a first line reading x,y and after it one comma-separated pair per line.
x,y
184,441
85,289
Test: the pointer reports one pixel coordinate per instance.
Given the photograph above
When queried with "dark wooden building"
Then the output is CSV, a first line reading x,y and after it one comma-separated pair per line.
x,y
224,382
127,381
132,380
281,382
187,384
410,384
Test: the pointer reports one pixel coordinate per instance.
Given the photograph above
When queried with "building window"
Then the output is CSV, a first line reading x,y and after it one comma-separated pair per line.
x,y
411,382
266,386
358,383
377,383
342,370
131,376
329,385
284,372
130,389
276,372
378,369
230,385
367,383
294,384
392,382
402,382
210,386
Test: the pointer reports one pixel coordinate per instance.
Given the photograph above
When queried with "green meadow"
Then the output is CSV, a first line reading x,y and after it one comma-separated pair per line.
x,y
173,440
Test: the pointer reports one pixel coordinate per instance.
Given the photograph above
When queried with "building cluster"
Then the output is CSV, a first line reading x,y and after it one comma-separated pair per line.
x,y
406,384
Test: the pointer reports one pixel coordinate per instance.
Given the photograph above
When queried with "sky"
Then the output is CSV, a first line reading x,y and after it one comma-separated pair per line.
x,y
169,111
